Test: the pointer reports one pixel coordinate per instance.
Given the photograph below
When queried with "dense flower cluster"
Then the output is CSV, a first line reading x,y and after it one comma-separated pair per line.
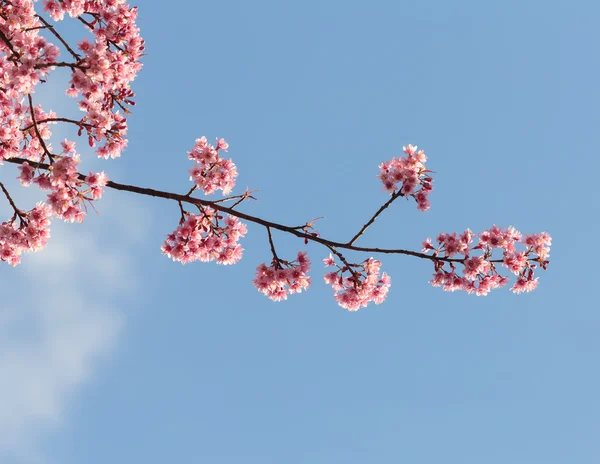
x,y
31,235
202,237
362,286
66,198
211,173
283,277
480,275
25,55
108,65
101,72
410,172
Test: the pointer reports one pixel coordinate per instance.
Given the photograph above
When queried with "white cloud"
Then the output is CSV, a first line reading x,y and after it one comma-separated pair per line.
x,y
59,315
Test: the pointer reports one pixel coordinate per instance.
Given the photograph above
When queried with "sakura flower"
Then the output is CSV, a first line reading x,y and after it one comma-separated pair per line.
x,y
363,285
480,274
283,278
403,176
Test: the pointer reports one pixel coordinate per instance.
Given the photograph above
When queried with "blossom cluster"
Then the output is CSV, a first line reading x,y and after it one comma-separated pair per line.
x,y
283,277
211,172
404,175
24,54
102,76
101,72
363,285
480,274
24,61
31,235
66,198
204,238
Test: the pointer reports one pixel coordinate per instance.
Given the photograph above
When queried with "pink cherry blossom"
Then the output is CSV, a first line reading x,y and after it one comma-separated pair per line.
x,y
403,176
211,172
363,284
31,234
480,274
283,278
206,237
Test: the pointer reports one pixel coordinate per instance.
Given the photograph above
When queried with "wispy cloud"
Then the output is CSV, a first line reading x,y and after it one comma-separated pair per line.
x,y
61,312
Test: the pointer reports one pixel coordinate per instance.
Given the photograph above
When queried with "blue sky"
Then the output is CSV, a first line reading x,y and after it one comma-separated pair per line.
x,y
110,352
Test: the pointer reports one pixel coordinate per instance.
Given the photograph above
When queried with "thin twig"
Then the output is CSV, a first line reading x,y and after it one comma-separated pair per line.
x,y
22,216
37,129
275,257
372,220
58,36
60,64
72,121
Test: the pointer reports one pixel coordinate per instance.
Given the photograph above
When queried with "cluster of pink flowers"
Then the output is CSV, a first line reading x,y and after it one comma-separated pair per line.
x,y
409,172
31,235
362,286
201,237
480,275
18,136
24,62
108,66
66,197
283,277
211,172
101,73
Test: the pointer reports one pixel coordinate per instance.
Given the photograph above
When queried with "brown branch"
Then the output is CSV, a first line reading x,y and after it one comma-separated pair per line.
x,y
72,121
91,26
347,265
275,257
60,64
183,213
37,129
58,36
372,220
9,44
9,198
18,213
200,203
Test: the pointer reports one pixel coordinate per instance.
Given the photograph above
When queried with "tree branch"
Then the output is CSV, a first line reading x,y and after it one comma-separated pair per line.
x,y
372,220
256,220
37,129
58,36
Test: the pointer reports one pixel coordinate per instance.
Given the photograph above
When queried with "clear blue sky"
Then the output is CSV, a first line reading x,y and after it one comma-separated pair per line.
x,y
110,352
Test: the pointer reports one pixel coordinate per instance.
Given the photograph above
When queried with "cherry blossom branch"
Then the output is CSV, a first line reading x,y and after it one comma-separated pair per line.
x,y
111,61
257,220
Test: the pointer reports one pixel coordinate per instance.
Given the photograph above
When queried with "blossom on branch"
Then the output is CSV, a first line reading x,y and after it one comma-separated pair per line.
x,y
361,286
102,66
283,278
480,275
206,237
406,174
